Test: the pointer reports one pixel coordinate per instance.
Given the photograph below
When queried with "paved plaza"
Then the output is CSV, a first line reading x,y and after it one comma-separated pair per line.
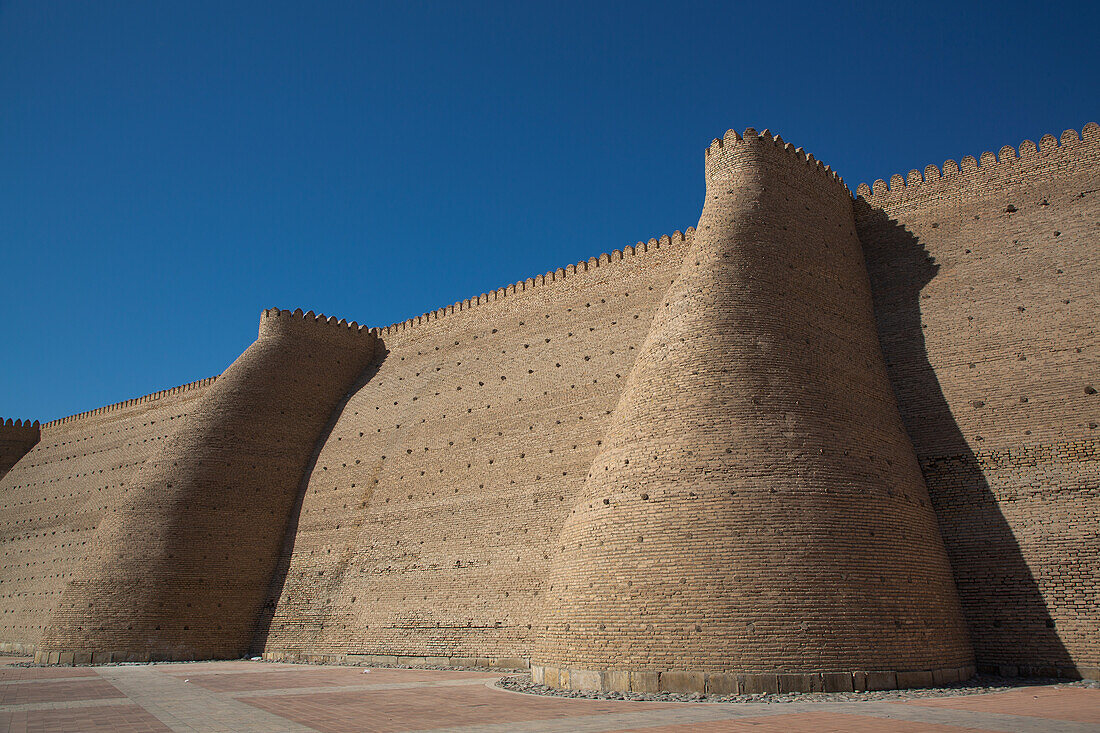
x,y
242,696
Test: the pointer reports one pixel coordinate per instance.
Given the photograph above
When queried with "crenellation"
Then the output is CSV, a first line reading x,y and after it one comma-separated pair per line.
x,y
197,384
548,279
1082,147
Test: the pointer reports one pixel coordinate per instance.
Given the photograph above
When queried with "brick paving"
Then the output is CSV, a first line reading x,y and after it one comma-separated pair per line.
x,y
109,719
388,711
1080,705
255,697
807,723
19,674
44,691
283,679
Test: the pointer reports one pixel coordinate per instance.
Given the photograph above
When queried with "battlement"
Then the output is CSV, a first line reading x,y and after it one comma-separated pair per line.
x,y
199,383
733,143
275,321
16,438
15,427
1070,148
548,279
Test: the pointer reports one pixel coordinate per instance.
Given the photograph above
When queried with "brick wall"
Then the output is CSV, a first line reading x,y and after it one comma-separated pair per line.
x,y
179,569
52,500
986,295
428,522
679,465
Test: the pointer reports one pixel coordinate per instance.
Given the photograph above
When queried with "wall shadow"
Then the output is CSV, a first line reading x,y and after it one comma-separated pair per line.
x,y
1010,624
282,568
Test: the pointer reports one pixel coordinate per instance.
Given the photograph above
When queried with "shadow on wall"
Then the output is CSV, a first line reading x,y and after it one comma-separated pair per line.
x,y
1010,625
313,607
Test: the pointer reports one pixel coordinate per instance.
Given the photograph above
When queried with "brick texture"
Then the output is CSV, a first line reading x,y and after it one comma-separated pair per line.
x,y
180,568
757,506
428,523
53,499
986,290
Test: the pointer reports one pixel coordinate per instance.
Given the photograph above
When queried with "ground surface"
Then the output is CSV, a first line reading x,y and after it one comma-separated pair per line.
x,y
254,696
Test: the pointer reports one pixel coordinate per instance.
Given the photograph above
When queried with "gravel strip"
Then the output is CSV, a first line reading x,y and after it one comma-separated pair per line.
x,y
978,685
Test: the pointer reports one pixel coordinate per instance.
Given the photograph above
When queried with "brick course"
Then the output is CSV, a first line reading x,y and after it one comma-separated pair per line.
x,y
52,500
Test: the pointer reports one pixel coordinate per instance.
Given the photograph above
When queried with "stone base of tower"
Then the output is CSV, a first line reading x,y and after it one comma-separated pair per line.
x,y
745,683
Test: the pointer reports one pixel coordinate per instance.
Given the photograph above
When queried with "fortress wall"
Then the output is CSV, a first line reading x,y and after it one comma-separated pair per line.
x,y
178,569
52,500
678,466
986,294
756,519
429,518
16,438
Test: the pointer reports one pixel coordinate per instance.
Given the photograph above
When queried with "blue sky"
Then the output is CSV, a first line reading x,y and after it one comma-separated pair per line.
x,y
168,170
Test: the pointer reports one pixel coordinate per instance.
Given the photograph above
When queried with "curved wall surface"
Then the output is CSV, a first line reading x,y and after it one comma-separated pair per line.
x,y
52,500
427,521
756,518
180,569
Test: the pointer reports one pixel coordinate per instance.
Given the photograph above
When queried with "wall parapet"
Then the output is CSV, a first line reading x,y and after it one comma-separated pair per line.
x,y
545,280
15,426
732,140
309,320
16,438
131,402
881,194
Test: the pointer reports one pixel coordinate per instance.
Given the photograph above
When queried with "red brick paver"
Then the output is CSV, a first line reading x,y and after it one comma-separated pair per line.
x,y
256,697
44,673
387,711
111,719
807,723
38,692
1067,703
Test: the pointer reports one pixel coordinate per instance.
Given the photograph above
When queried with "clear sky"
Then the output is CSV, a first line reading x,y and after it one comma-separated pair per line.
x,y
169,169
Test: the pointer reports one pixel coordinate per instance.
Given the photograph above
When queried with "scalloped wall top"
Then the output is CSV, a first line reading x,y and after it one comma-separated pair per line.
x,y
750,136
1069,143
549,278
128,403
310,316
731,138
9,423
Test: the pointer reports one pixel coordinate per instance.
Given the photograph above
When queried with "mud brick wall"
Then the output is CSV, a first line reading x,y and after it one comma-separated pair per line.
x,y
986,282
180,568
52,500
430,517
756,506
692,464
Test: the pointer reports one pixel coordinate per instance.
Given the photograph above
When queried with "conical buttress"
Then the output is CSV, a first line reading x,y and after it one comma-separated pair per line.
x,y
757,519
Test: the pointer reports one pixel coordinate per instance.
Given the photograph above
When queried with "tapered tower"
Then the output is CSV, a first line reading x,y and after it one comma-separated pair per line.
x,y
757,519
